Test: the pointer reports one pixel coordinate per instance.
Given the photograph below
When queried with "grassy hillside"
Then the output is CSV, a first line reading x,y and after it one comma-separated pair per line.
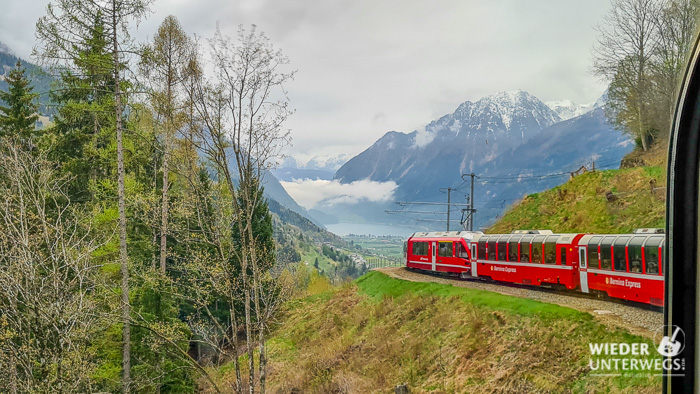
x,y
612,201
377,332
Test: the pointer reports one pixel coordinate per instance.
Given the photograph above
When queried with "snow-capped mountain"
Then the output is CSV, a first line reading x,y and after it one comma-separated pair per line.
x,y
326,162
508,136
317,167
471,136
567,109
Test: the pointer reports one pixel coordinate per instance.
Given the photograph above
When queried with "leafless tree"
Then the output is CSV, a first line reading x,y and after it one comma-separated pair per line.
x,y
241,111
627,40
47,279
675,23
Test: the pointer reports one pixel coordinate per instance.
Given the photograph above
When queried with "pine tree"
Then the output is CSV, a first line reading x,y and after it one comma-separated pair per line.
x,y
69,22
18,117
83,128
260,222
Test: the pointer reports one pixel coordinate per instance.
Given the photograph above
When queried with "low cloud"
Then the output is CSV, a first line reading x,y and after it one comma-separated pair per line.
x,y
315,193
423,137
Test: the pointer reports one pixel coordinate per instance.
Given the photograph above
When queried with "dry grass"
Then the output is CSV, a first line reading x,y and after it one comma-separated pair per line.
x,y
436,338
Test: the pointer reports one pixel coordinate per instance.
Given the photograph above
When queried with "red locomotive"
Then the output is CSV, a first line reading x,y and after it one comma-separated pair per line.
x,y
627,266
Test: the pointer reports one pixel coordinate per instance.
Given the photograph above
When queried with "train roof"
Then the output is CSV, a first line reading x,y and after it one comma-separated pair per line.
x,y
560,238
446,234
644,236
565,238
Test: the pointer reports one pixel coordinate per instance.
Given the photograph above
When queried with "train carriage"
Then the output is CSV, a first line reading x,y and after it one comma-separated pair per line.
x,y
627,266
444,251
530,259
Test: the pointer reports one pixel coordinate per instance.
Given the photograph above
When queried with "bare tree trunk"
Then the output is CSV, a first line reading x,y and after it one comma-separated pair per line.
x,y
245,280
165,201
154,229
234,344
13,372
248,329
261,342
121,194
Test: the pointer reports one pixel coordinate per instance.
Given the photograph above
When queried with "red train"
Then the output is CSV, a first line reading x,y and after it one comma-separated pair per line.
x,y
627,266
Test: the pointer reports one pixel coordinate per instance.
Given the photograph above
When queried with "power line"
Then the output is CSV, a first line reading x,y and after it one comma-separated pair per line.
x,y
419,212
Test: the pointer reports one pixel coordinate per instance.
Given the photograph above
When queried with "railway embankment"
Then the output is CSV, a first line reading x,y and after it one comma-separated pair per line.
x,y
380,331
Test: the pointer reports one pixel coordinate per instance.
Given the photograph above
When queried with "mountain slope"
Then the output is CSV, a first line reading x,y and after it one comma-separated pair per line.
x,y
611,201
546,160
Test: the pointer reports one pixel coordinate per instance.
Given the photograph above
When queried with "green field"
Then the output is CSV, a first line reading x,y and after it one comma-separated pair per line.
x,y
390,247
310,254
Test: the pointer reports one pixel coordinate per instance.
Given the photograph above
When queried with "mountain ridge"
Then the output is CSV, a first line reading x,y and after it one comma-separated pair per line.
x,y
507,135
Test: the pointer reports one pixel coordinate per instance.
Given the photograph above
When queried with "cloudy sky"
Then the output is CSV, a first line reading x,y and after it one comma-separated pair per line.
x,y
365,67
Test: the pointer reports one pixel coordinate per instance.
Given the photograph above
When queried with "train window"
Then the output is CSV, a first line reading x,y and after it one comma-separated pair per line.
x,y
550,249
562,255
634,254
606,253
480,250
492,250
445,249
503,247
619,258
462,251
620,253
513,248
593,257
525,248
420,248
651,255
537,248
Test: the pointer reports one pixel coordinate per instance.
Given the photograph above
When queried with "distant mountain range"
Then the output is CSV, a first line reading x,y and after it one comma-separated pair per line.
x,y
513,141
318,167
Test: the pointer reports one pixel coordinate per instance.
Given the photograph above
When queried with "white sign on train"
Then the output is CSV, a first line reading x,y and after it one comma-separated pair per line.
x,y
625,283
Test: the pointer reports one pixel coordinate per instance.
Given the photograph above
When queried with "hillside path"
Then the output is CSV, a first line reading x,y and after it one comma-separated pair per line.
x,y
634,319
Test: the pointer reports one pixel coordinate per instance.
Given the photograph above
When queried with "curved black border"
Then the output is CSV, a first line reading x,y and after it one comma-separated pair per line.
x,y
682,224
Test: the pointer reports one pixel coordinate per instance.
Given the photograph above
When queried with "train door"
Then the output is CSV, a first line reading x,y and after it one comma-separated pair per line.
x,y
583,268
473,259
434,254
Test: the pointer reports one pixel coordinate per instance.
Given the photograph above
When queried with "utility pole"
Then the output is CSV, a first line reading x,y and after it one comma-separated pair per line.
x,y
449,191
471,204
470,218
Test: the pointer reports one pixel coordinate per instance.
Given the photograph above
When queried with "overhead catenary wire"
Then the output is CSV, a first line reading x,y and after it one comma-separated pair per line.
x,y
495,202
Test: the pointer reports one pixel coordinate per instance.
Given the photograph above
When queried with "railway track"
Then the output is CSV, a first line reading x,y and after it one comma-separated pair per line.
x,y
636,318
